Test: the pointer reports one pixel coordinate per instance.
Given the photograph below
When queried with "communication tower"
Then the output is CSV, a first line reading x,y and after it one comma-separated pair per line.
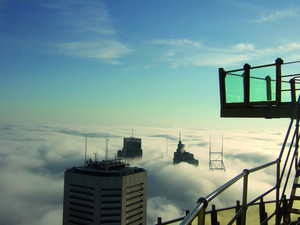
x,y
216,158
106,149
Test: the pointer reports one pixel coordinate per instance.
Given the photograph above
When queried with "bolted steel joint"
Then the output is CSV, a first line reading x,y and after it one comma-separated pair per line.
x,y
203,200
246,171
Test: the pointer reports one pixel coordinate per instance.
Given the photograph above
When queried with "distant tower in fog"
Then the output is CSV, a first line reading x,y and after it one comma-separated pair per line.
x,y
132,148
105,192
216,158
182,156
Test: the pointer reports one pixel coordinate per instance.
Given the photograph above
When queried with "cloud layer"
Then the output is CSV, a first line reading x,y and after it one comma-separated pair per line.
x,y
33,160
277,15
187,52
94,30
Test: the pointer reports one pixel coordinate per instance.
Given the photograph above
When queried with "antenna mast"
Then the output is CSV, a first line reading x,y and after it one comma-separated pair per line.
x,y
96,156
210,164
85,150
106,149
167,147
222,149
216,158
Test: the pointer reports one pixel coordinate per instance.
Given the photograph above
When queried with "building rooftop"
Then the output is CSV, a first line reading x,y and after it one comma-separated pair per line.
x,y
181,155
106,168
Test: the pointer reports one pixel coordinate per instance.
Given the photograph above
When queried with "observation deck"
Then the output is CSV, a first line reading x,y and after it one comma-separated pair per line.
x,y
266,91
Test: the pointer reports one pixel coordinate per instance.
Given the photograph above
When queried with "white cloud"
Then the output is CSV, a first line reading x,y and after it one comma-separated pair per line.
x,y
170,53
161,207
108,50
277,15
75,28
150,66
244,47
178,42
290,46
33,159
90,19
83,17
86,19
183,55
185,52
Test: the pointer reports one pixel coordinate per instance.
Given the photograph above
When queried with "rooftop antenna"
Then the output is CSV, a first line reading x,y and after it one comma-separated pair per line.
x,y
131,132
209,151
179,135
85,150
222,152
106,149
222,145
96,156
167,147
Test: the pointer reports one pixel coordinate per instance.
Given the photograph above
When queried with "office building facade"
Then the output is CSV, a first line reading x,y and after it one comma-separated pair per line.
x,y
132,148
105,193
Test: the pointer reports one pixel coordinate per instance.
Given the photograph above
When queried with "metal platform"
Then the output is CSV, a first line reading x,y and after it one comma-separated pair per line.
x,y
266,91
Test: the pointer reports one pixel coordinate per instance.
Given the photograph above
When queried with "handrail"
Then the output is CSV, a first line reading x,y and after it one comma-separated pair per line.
x,y
261,66
289,128
202,203
215,193
252,67
193,213
263,166
283,167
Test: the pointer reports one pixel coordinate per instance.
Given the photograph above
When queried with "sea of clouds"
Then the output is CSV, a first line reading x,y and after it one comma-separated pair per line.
x,y
33,160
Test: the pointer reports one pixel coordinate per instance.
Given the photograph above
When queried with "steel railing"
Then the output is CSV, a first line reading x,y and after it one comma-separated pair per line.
x,y
283,164
199,210
292,157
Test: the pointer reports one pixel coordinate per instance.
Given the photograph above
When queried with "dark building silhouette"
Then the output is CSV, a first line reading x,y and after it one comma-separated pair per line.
x,y
182,156
132,148
106,192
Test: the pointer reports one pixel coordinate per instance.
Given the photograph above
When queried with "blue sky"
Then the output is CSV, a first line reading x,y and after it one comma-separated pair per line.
x,y
133,62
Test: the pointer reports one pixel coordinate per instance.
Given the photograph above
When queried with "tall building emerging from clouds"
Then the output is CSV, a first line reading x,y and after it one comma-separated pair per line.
x,y
132,148
106,192
182,156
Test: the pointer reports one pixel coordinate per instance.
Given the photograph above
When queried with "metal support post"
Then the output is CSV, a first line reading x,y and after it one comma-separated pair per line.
x,y
278,217
201,217
214,216
297,144
245,193
222,75
286,214
268,87
246,76
278,62
159,221
293,90
262,211
237,208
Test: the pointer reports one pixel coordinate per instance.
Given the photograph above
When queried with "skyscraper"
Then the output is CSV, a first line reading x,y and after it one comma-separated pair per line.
x,y
181,155
132,148
106,192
